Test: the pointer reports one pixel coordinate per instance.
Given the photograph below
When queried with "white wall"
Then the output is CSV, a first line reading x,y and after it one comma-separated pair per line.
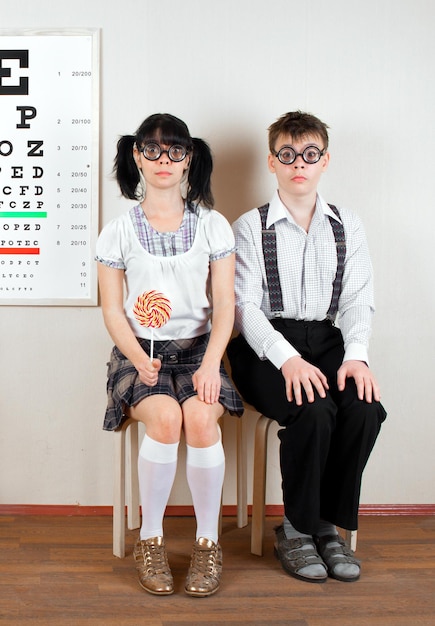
x,y
229,68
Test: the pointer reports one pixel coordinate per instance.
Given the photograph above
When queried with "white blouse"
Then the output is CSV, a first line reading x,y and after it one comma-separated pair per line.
x,y
184,279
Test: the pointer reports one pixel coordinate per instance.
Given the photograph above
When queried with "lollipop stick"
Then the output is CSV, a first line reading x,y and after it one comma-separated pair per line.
x,y
152,344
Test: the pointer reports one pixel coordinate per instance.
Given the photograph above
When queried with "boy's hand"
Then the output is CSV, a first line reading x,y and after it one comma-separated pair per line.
x,y
366,385
299,374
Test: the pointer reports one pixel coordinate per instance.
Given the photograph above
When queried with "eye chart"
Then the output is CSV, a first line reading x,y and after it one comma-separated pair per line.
x,y
49,123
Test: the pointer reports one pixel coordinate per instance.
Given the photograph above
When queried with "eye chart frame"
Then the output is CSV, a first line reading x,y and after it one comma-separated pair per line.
x,y
49,166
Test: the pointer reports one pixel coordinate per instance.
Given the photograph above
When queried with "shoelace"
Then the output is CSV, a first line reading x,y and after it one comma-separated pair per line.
x,y
204,559
154,557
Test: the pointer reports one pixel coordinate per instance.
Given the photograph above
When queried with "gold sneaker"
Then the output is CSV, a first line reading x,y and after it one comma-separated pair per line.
x,y
153,567
203,577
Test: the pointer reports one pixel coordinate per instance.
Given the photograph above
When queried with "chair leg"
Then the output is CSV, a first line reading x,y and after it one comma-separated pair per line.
x,y
242,471
119,495
126,483
259,487
132,483
220,522
351,539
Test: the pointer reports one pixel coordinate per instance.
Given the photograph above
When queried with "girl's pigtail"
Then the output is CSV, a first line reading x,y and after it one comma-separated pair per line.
x,y
199,177
125,168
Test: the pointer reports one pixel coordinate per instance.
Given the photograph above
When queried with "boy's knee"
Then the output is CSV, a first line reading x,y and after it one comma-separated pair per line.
x,y
319,415
371,413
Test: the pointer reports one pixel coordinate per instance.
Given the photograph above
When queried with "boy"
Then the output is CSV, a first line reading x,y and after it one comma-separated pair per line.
x,y
300,262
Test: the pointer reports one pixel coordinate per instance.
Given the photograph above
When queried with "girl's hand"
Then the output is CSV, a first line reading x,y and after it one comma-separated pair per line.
x,y
149,371
207,383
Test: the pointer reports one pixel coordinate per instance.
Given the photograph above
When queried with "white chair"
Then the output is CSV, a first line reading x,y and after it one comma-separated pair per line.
x,y
259,488
126,484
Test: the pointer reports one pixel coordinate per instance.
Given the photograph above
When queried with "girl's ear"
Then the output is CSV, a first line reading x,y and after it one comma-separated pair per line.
x,y
136,156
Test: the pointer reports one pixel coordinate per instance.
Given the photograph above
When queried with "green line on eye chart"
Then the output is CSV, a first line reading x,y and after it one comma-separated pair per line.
x,y
23,213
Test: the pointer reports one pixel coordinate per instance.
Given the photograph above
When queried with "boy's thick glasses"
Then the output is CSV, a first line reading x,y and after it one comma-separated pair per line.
x,y
288,155
152,151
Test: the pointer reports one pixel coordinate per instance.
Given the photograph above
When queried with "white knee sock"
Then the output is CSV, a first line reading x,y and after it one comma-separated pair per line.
x,y
156,467
205,470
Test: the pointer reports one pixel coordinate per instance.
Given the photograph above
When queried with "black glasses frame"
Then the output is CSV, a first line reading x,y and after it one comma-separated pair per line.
x,y
302,154
169,152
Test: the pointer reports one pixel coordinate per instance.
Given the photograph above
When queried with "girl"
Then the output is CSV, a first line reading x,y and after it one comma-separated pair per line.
x,y
184,249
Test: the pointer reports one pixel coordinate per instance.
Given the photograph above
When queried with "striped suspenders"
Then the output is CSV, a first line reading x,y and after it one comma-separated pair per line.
x,y
271,263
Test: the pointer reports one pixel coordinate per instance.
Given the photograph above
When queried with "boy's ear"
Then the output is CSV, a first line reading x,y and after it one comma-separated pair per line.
x,y
271,163
326,158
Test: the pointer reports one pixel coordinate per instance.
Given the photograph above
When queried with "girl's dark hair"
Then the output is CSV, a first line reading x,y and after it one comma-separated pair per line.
x,y
168,130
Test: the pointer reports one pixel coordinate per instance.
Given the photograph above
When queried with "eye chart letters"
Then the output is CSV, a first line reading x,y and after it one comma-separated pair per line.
x,y
49,90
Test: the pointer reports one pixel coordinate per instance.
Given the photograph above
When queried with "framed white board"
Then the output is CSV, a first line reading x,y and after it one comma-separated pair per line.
x,y
49,166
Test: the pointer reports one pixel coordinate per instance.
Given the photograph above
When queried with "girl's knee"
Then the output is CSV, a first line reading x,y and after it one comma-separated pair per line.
x,y
162,420
168,425
201,426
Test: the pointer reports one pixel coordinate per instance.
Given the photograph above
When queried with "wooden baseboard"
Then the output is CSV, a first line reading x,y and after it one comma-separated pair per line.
x,y
272,510
372,509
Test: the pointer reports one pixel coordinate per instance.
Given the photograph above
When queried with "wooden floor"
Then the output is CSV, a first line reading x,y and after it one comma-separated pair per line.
x,y
60,571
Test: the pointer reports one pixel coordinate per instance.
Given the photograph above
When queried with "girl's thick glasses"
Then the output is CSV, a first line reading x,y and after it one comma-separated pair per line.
x,y
152,152
288,155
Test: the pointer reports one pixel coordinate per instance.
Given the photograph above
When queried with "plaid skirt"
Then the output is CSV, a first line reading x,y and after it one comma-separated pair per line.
x,y
180,360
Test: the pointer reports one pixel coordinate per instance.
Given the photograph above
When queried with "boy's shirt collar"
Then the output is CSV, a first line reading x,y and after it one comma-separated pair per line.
x,y
277,210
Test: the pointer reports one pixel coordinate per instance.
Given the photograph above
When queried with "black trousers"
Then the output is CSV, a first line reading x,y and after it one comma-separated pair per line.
x,y
325,444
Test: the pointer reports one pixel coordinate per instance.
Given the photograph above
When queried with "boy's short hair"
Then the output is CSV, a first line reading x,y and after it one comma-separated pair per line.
x,y
298,125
